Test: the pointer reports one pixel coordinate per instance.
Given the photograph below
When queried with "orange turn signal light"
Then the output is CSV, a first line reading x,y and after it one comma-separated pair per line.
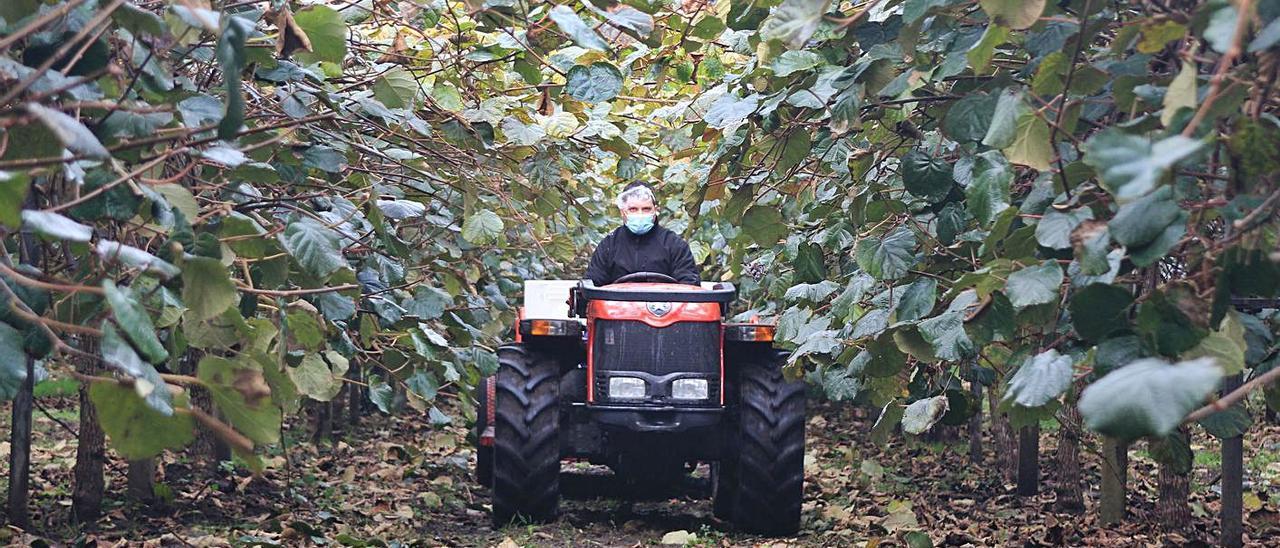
x,y
750,332
539,327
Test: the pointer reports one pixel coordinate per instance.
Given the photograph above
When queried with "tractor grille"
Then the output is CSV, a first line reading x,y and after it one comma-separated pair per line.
x,y
685,347
658,355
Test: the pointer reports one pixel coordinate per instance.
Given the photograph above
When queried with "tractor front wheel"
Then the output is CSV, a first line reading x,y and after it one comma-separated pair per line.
x,y
767,471
526,458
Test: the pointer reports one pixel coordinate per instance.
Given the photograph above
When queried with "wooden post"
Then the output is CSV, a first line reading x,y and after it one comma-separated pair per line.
x,y
141,480
1115,478
20,450
1029,460
975,424
1232,515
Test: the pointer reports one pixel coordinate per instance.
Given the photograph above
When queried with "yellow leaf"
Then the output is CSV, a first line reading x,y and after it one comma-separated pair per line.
x,y
1181,93
1031,146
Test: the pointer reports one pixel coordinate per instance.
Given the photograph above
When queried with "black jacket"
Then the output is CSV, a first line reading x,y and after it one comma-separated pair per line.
x,y
659,250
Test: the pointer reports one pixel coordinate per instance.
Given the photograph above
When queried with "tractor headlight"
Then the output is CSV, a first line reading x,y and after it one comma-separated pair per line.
x,y
626,387
689,389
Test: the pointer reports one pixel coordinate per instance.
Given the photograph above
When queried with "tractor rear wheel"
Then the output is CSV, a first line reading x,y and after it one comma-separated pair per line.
x,y
526,459
768,467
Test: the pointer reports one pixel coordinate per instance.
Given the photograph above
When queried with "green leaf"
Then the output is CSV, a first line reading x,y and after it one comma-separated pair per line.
x,y
13,362
1034,285
381,395
55,226
134,321
319,376
1226,345
326,30
988,194
1055,227
1172,321
969,118
1017,14
1148,254
132,257
314,247
1031,144
1144,219
147,383
1040,379
136,430
13,193
794,21
207,290
923,414
396,88
1231,422
482,227
1131,166
1099,310
1174,451
138,21
791,62
946,335
69,131
1221,31
1158,33
1148,397
596,83
764,225
305,330
626,17
241,393
810,266
1003,129
981,53
917,300
577,30
1181,93
887,257
324,158
926,176
1266,37
232,58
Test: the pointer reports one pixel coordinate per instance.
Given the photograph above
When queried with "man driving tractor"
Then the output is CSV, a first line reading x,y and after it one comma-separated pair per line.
x,y
641,245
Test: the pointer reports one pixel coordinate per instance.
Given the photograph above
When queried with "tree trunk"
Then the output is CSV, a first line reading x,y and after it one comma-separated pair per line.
x,y
89,483
1069,486
141,476
1171,507
975,425
324,423
1029,460
20,450
1115,476
1002,440
1232,481
208,450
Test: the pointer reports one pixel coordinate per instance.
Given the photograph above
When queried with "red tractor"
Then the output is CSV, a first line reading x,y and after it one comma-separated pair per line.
x,y
643,375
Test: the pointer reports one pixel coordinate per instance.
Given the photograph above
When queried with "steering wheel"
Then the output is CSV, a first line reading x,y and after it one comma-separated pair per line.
x,y
646,277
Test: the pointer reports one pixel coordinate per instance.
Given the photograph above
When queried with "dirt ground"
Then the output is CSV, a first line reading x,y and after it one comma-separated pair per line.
x,y
398,481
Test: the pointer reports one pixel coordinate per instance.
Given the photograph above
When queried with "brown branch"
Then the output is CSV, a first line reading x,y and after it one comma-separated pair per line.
x,y
32,282
39,23
295,292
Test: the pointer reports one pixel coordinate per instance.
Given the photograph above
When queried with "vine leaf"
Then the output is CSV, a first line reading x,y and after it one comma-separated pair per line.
x,y
576,29
121,412
887,257
794,21
1131,166
923,414
134,321
13,362
1149,397
595,83
1034,285
1040,379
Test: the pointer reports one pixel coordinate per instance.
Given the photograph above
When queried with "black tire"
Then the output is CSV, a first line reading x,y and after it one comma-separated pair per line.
x,y
769,463
484,453
526,458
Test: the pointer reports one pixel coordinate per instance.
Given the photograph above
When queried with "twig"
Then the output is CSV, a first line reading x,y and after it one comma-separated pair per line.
x,y
1224,63
294,292
39,23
